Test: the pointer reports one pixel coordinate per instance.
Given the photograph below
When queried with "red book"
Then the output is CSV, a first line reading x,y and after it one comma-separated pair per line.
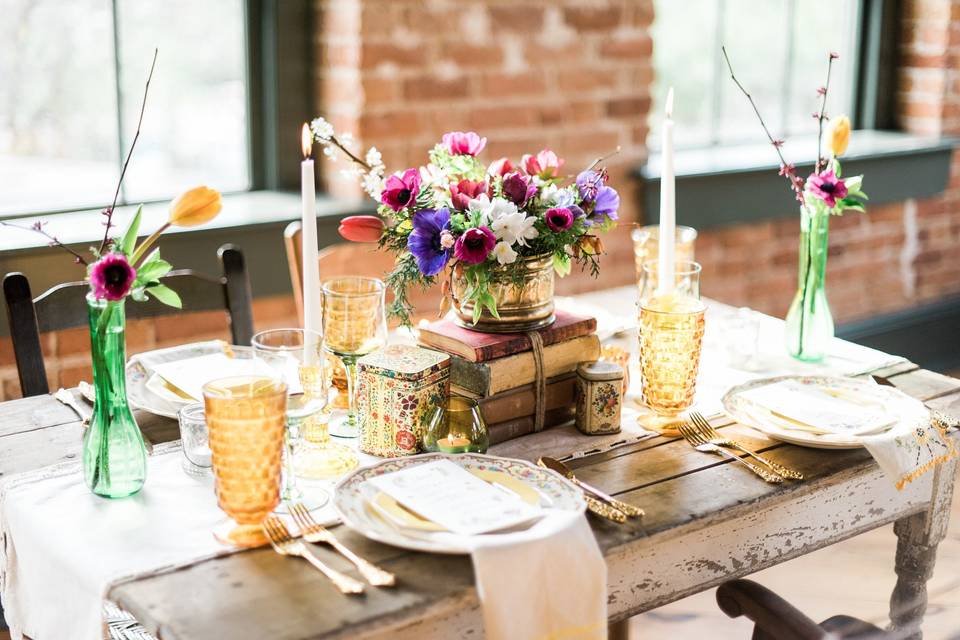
x,y
476,346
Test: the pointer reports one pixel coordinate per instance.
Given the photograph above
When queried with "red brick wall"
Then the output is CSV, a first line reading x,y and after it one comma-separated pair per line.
x,y
575,76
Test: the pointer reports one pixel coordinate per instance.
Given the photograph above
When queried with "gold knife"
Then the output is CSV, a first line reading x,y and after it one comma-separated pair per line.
x,y
591,492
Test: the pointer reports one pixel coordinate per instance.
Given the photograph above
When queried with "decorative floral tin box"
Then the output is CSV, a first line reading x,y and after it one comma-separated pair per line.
x,y
398,386
599,397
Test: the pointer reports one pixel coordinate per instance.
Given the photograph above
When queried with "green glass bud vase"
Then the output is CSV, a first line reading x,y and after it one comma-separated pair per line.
x,y
809,321
114,456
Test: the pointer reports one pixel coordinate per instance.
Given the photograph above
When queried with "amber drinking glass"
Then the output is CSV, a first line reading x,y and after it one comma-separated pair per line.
x,y
671,336
246,418
646,245
354,324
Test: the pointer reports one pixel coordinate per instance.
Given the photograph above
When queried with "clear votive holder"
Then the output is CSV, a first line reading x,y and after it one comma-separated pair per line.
x,y
195,441
742,339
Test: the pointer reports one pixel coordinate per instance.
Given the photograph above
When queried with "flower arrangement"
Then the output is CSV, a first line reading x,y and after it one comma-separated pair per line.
x,y
459,216
809,324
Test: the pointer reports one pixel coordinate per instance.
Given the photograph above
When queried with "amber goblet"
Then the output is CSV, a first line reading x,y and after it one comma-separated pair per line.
x,y
246,420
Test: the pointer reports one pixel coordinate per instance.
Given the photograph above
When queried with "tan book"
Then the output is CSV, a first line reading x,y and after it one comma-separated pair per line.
x,y
484,379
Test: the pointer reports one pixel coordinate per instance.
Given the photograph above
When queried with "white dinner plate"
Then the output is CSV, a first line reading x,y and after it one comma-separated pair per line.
x,y
352,500
141,380
894,401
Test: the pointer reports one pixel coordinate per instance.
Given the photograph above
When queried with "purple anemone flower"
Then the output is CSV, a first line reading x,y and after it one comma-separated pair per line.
x,y
588,184
424,241
606,204
518,188
828,187
475,245
111,277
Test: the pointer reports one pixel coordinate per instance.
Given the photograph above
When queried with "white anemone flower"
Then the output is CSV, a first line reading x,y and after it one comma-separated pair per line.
x,y
514,228
504,253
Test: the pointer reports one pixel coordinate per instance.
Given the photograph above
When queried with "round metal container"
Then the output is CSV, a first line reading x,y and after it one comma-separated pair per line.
x,y
524,304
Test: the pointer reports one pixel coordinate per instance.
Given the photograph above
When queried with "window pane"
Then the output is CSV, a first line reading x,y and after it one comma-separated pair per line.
x,y
779,51
195,128
58,123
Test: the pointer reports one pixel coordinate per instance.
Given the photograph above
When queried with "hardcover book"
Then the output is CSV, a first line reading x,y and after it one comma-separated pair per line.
x,y
475,346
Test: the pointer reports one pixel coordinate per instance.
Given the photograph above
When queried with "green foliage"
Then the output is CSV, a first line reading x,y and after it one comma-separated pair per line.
x,y
129,240
467,167
165,294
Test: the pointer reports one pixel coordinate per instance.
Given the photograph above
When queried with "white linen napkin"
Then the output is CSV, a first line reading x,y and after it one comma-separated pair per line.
x,y
63,548
908,451
544,583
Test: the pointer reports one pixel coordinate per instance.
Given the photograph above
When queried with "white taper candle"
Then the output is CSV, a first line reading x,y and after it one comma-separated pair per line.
x,y
668,213
310,268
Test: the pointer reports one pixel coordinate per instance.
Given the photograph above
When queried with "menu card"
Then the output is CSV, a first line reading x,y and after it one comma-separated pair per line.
x,y
188,376
454,498
820,409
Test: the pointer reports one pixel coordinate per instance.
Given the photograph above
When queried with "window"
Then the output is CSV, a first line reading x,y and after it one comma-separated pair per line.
x,y
73,73
779,52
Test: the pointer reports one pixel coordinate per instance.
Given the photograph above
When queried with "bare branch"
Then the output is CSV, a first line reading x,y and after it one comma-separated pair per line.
x,y
109,212
822,115
54,242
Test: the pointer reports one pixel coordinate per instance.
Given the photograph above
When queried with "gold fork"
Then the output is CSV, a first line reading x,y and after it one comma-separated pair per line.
x,y
286,545
713,436
699,443
311,531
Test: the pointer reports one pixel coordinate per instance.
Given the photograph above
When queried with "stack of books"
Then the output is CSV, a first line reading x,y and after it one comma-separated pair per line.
x,y
498,370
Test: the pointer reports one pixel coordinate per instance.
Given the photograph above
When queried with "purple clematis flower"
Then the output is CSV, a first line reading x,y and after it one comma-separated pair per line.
x,y
828,187
606,204
111,277
475,245
424,242
461,143
401,191
559,218
588,184
518,188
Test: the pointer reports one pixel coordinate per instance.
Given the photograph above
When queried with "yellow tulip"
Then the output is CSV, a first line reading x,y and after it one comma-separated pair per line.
x,y
839,136
195,207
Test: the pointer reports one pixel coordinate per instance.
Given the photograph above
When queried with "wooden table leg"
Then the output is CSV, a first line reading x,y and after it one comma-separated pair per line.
x,y
917,539
619,630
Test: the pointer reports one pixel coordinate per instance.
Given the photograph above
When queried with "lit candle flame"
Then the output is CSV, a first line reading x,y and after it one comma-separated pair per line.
x,y
669,108
306,140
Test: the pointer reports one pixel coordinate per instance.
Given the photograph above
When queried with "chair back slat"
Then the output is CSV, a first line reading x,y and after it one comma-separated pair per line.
x,y
25,335
64,307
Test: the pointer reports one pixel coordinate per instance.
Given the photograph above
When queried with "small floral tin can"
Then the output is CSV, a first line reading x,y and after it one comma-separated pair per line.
x,y
397,387
599,397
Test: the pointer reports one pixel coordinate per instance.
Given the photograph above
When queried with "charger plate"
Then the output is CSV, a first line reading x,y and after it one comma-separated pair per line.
x,y
142,382
907,410
353,500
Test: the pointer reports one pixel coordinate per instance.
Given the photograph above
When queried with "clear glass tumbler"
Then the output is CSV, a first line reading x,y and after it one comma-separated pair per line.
x,y
195,441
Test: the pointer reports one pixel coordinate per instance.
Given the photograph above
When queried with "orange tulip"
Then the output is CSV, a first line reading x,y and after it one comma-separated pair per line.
x,y
195,207
840,136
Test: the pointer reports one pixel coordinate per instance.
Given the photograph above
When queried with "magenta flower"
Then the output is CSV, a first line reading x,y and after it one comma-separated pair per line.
x,y
474,245
401,192
545,164
461,143
828,187
559,219
500,167
518,188
111,277
464,191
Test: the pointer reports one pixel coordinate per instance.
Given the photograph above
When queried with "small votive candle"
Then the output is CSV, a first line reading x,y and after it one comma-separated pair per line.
x,y
453,444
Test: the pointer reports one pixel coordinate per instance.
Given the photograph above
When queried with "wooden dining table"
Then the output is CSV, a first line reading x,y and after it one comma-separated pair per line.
x,y
707,521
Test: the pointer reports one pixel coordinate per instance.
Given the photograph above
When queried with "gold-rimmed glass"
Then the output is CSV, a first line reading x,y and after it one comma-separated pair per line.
x,y
354,324
246,419
646,245
297,357
671,336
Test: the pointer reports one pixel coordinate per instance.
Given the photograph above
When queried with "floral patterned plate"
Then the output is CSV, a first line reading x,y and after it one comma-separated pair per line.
x,y
907,410
352,500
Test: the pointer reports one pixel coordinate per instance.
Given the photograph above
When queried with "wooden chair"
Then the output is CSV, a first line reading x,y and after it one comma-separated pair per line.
x,y
776,619
352,258
64,306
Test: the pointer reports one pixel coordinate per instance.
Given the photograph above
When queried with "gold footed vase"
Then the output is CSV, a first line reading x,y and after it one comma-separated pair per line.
x,y
524,302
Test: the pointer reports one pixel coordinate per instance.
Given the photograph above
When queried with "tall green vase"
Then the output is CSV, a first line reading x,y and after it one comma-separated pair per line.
x,y
114,456
809,321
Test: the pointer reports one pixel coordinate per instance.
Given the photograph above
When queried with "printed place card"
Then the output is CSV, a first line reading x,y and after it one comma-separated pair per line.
x,y
817,409
191,374
449,495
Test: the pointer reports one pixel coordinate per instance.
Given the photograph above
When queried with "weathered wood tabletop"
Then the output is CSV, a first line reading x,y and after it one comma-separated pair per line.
x,y
707,521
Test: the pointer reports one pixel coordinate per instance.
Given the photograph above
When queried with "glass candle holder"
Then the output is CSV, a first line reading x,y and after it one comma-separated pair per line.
x,y
246,420
686,279
646,244
195,441
456,426
671,337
